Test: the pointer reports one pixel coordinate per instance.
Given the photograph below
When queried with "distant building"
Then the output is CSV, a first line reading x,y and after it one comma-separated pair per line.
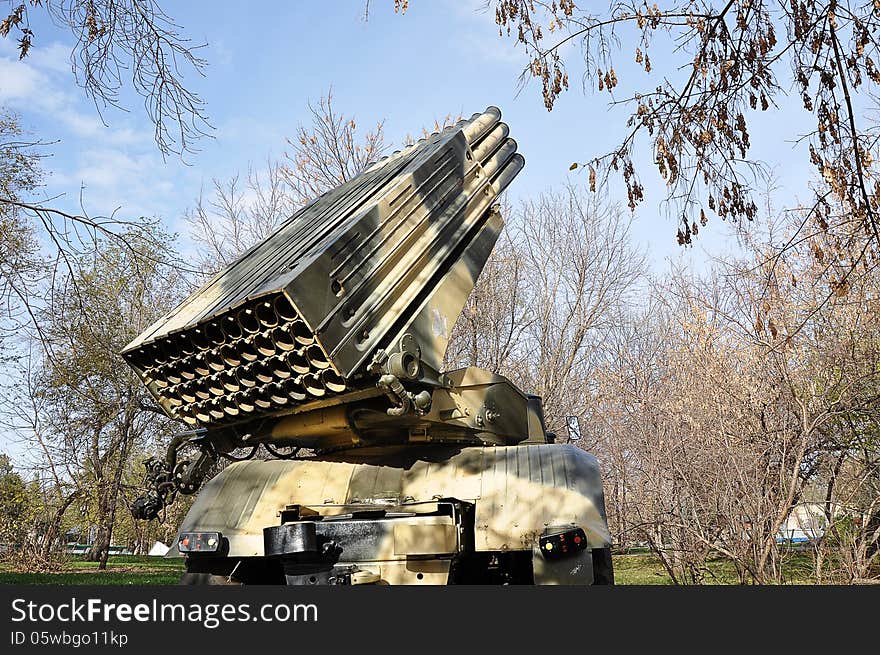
x,y
805,523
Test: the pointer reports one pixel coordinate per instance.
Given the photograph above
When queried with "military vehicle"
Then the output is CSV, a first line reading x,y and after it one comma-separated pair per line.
x,y
322,347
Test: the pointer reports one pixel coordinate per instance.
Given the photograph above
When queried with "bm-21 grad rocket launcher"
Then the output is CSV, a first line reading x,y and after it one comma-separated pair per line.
x,y
323,346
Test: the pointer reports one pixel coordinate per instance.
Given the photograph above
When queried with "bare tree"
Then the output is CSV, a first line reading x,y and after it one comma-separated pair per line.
x,y
490,330
739,57
729,406
117,43
113,40
324,154
238,216
328,152
551,292
25,412
583,269
21,265
117,40
85,412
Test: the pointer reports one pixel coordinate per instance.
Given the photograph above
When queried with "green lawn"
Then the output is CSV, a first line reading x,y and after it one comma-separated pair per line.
x,y
630,569
645,569
639,570
121,570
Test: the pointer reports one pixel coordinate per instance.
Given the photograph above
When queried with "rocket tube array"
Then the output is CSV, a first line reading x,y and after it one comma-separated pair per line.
x,y
257,359
234,361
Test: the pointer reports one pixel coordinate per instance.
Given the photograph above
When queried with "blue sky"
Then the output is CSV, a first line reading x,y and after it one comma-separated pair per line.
x,y
441,57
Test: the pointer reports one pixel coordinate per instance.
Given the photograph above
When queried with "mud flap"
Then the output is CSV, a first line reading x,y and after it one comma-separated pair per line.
x,y
575,569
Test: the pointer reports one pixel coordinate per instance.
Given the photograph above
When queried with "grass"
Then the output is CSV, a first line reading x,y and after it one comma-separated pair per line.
x,y
645,569
121,570
629,569
639,570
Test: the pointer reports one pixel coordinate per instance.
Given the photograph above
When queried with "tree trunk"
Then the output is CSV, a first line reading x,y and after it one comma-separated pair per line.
x,y
98,549
54,526
101,547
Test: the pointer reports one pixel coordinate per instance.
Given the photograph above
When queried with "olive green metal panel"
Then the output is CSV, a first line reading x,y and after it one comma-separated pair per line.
x,y
518,492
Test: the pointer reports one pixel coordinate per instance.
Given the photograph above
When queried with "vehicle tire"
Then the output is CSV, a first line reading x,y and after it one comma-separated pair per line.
x,y
603,569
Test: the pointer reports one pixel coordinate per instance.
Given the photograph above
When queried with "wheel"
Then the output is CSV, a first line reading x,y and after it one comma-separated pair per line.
x,y
603,569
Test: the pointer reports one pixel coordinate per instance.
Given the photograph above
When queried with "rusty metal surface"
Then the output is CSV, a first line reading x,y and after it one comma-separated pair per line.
x,y
393,252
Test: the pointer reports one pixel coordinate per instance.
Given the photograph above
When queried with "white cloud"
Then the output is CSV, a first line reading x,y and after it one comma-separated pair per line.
x,y
54,57
111,166
221,54
476,10
493,48
110,176
241,130
478,33
20,81
37,84
107,168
